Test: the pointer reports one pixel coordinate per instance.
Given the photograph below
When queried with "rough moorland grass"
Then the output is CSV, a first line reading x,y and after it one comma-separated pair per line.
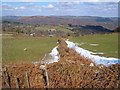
x,y
13,48
107,43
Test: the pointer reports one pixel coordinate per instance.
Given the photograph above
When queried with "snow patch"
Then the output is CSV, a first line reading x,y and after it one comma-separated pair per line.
x,y
79,44
49,58
94,44
98,53
97,59
55,54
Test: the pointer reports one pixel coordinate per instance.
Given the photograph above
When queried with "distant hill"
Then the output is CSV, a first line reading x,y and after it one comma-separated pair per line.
x,y
10,18
117,29
89,29
109,23
11,22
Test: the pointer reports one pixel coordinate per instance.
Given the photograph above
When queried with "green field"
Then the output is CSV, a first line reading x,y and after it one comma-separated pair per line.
x,y
13,48
57,28
107,43
37,47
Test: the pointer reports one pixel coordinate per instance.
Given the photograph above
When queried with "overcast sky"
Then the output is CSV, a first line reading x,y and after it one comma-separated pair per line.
x,y
62,8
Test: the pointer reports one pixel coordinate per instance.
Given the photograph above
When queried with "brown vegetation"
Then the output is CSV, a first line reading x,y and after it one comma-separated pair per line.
x,y
15,71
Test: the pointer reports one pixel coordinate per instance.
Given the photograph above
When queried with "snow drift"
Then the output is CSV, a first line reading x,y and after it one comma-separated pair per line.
x,y
88,54
95,58
55,54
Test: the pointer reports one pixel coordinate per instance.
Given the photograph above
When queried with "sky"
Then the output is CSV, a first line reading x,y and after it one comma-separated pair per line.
x,y
103,8
60,0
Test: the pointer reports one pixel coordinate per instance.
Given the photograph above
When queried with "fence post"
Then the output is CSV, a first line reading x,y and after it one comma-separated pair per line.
x,y
17,83
47,78
5,77
27,80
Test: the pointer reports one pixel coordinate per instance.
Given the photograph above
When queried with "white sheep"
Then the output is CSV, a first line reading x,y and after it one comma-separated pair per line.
x,y
25,49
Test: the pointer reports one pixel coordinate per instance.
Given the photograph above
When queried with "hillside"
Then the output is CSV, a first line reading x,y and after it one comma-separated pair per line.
x,y
110,23
117,29
58,25
89,29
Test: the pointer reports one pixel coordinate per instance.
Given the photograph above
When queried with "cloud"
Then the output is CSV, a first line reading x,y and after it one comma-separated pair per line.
x,y
10,7
16,8
67,5
89,1
90,9
30,0
50,6
60,1
62,8
20,1
22,7
7,7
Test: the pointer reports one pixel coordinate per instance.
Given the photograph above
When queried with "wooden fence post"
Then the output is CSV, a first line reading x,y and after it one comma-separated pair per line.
x,y
17,83
47,78
5,77
27,80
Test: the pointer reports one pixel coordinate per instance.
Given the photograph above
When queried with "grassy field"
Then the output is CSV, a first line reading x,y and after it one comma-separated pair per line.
x,y
107,44
13,48
57,28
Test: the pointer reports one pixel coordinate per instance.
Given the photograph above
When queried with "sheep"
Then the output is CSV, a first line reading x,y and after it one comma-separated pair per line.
x,y
25,49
